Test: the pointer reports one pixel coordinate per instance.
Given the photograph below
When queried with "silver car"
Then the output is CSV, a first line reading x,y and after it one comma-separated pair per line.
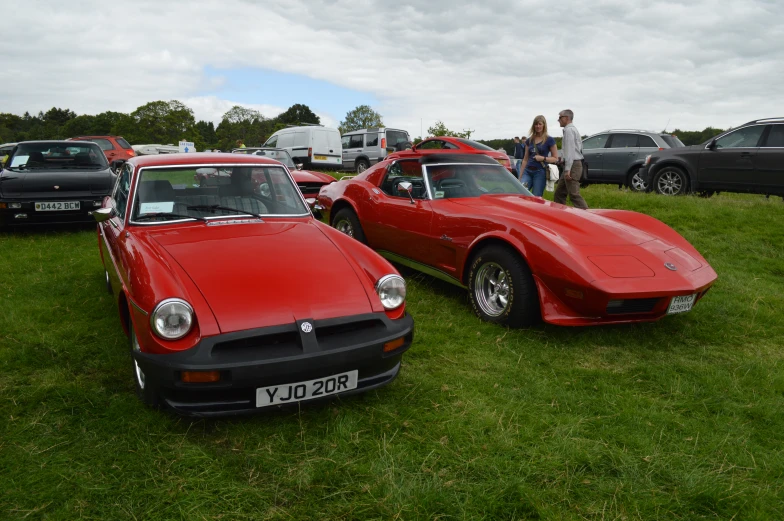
x,y
616,156
367,146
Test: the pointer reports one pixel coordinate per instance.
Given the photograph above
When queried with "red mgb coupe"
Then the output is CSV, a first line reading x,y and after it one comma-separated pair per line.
x,y
467,220
226,306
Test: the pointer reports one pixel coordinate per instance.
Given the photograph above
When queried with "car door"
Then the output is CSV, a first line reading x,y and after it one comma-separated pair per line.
x,y
593,152
108,149
769,163
729,164
394,223
621,152
112,230
352,147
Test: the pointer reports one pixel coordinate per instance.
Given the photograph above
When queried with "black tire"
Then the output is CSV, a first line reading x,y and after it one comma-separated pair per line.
x,y
347,222
514,304
108,282
671,180
361,165
144,390
635,182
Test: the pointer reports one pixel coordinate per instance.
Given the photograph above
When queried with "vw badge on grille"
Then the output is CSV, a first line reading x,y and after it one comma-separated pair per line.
x,y
670,266
307,327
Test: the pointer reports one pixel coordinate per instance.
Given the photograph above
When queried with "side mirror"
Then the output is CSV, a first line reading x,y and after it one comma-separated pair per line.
x,y
299,166
103,214
406,186
390,150
117,164
712,144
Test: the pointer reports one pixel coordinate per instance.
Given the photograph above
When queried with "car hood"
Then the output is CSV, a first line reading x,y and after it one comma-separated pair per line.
x,y
264,274
306,176
55,184
579,227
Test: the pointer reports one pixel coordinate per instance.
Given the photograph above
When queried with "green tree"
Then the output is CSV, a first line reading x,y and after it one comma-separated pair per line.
x,y
207,131
298,114
361,117
439,129
160,122
696,137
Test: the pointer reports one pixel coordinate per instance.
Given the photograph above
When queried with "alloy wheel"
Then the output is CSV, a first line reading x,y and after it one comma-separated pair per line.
x,y
669,183
492,289
345,226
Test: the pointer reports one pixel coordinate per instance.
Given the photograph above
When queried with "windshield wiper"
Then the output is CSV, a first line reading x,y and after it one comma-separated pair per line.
x,y
213,207
167,214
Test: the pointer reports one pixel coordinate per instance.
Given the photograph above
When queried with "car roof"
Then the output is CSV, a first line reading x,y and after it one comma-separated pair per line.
x,y
434,159
89,137
61,142
372,129
764,120
201,158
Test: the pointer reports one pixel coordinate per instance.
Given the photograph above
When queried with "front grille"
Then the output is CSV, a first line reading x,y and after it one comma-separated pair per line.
x,y
331,337
310,188
635,305
267,346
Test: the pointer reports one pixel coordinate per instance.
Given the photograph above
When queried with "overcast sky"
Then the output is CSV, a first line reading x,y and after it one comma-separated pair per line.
x,y
485,66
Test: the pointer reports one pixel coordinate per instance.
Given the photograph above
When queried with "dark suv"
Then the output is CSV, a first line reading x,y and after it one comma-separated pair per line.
x,y
748,158
615,156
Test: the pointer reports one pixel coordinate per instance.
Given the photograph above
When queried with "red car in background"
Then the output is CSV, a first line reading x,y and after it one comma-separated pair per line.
x,y
114,147
452,145
234,297
467,220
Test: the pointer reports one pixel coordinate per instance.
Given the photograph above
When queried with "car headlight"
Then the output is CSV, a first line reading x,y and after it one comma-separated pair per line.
x,y
172,319
391,290
647,159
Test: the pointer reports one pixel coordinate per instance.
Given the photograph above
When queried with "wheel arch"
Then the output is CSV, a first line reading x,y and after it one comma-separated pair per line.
x,y
338,205
483,242
682,165
124,312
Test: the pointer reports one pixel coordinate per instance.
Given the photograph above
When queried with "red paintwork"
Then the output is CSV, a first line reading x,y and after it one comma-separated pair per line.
x,y
580,259
118,152
236,277
462,148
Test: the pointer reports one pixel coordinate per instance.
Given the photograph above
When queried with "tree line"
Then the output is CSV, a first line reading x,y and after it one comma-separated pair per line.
x,y
168,122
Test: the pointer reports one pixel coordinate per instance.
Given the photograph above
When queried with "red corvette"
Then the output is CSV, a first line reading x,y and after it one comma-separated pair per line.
x,y
226,307
467,220
452,145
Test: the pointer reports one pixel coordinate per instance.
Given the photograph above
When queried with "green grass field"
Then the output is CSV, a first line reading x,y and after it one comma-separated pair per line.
x,y
680,419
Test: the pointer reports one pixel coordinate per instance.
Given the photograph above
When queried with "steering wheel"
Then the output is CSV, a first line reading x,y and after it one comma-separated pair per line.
x,y
451,183
497,190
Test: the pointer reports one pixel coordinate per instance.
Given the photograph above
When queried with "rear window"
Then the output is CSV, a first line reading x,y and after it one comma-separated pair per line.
x,y
395,136
673,141
124,144
55,156
476,145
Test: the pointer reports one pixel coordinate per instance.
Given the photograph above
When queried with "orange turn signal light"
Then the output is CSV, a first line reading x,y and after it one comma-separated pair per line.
x,y
193,377
394,344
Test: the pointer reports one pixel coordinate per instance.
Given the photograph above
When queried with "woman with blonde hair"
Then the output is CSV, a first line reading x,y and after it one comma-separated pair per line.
x,y
540,149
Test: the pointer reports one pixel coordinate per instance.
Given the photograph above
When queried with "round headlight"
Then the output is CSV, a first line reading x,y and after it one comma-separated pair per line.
x,y
391,290
172,319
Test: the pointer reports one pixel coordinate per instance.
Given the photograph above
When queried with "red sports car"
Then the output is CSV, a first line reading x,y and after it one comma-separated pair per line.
x,y
452,145
226,307
467,220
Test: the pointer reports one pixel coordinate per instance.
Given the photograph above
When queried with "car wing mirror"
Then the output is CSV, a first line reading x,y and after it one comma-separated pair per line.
x,y
299,166
390,150
117,164
103,214
406,186
712,145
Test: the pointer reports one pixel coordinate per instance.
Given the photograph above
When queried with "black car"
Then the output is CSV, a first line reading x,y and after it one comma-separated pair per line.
x,y
53,182
748,158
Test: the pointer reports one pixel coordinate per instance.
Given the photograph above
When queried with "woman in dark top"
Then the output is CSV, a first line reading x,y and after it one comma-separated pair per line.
x,y
540,150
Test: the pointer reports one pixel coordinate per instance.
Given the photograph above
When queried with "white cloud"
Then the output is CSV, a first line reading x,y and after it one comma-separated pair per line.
x,y
489,67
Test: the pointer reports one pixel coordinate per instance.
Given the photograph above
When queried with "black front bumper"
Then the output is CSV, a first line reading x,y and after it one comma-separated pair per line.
x,y
278,355
646,175
28,215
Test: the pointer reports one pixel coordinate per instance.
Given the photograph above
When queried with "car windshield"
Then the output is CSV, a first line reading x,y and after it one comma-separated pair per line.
x,y
673,141
57,156
467,180
475,144
175,193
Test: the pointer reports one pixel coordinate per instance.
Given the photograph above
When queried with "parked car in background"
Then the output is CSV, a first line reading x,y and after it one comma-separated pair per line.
x,y
748,158
115,147
314,146
452,145
467,220
616,156
309,183
153,149
5,150
234,298
45,182
365,147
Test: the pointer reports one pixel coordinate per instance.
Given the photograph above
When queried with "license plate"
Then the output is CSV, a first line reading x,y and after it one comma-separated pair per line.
x,y
681,304
301,391
54,206
320,158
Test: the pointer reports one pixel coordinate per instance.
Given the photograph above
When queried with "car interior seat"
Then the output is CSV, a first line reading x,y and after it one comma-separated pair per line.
x,y
36,157
156,191
82,159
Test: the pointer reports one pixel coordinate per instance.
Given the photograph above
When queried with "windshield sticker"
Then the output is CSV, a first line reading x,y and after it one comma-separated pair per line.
x,y
439,195
158,207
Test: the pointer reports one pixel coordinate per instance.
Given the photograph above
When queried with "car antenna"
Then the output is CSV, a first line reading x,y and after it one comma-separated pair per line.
x,y
665,126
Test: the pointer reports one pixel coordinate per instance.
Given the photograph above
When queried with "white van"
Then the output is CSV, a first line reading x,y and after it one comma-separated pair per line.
x,y
314,146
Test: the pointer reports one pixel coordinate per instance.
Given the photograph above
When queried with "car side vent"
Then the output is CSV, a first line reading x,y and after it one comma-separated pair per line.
x,y
331,337
635,305
267,346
